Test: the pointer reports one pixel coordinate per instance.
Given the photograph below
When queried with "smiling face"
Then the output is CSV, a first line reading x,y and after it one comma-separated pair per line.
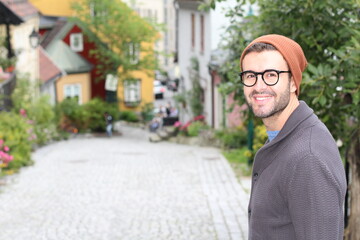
x,y
268,101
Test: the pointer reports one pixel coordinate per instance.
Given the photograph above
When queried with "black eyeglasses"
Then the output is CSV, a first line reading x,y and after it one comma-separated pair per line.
x,y
269,76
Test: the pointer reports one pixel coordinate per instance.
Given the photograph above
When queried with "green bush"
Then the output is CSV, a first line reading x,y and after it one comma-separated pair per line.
x,y
16,132
129,116
195,127
232,138
23,94
42,113
260,137
95,110
71,116
38,110
147,113
239,161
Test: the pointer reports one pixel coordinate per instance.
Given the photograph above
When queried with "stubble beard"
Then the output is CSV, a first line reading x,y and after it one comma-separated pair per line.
x,y
278,106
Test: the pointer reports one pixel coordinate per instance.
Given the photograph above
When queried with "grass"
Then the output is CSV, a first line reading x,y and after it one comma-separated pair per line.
x,y
238,161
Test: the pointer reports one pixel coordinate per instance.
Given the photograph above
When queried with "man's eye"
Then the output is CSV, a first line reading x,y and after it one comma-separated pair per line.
x,y
250,75
271,74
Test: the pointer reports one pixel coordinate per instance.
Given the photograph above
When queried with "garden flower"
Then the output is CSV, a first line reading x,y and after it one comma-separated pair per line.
x,y
5,157
199,118
22,112
177,124
185,126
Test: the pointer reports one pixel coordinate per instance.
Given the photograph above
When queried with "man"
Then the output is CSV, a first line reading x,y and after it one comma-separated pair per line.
x,y
108,120
298,181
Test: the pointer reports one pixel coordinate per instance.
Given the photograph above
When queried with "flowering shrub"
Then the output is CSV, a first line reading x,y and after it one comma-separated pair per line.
x,y
36,110
192,127
184,127
5,157
195,128
199,118
177,124
14,130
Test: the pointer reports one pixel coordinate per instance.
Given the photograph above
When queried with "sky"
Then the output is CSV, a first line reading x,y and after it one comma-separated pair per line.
x,y
219,21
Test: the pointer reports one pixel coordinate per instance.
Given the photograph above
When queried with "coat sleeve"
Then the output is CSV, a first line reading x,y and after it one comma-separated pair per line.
x,y
315,201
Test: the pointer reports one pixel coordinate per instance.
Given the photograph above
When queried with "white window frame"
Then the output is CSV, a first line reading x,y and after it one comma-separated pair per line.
x,y
70,91
77,42
95,11
132,92
134,52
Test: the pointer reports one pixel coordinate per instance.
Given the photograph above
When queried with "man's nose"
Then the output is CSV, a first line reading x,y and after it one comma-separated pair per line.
x,y
260,84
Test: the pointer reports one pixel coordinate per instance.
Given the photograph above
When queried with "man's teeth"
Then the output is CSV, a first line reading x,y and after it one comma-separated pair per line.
x,y
261,98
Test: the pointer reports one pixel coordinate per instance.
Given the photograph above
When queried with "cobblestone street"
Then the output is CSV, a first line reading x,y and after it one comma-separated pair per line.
x,y
124,188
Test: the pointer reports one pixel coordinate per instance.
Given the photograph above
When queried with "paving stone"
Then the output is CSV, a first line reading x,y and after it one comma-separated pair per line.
x,y
124,187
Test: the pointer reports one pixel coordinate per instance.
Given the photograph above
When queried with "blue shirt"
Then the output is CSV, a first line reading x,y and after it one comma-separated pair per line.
x,y
272,134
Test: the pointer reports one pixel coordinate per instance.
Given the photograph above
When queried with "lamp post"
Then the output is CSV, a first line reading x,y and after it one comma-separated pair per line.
x,y
34,39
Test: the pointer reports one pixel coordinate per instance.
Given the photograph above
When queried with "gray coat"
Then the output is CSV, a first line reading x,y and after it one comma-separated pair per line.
x,y
298,183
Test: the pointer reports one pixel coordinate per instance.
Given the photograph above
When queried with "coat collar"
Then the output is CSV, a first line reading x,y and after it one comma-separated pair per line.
x,y
269,151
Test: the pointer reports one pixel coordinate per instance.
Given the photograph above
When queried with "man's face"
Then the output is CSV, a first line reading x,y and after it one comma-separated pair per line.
x,y
267,101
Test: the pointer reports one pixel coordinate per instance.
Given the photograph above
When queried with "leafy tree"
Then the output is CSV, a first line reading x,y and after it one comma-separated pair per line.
x,y
196,94
329,33
123,39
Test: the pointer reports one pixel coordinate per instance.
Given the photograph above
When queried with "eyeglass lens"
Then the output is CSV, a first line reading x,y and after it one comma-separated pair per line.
x,y
270,77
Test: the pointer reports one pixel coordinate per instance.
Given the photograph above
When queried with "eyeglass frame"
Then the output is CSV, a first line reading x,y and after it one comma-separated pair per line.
x,y
262,76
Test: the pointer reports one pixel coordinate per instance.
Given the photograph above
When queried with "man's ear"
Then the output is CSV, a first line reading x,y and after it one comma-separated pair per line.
x,y
293,87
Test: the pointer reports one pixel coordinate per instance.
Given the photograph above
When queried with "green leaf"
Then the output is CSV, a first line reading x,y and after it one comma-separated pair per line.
x,y
213,4
322,100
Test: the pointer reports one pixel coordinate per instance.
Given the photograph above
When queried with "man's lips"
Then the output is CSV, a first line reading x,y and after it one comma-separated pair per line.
x,y
261,98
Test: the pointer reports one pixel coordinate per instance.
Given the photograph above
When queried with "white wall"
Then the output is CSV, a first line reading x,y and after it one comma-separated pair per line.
x,y
186,52
27,57
49,88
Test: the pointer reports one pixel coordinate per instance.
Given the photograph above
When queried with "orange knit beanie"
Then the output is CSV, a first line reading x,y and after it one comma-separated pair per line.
x,y
291,51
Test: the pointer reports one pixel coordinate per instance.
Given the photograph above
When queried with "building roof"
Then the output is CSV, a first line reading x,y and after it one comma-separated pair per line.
x,y
58,32
48,69
7,16
66,59
22,8
47,22
189,4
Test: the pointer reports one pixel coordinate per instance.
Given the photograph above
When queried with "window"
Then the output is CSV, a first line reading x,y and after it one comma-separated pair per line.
x,y
155,16
76,42
72,91
134,52
97,9
193,30
111,82
202,34
132,92
92,9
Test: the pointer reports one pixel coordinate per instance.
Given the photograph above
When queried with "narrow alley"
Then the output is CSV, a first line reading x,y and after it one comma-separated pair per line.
x,y
124,188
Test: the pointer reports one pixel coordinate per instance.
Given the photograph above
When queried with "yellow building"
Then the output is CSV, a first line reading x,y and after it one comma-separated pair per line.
x,y
54,8
132,94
